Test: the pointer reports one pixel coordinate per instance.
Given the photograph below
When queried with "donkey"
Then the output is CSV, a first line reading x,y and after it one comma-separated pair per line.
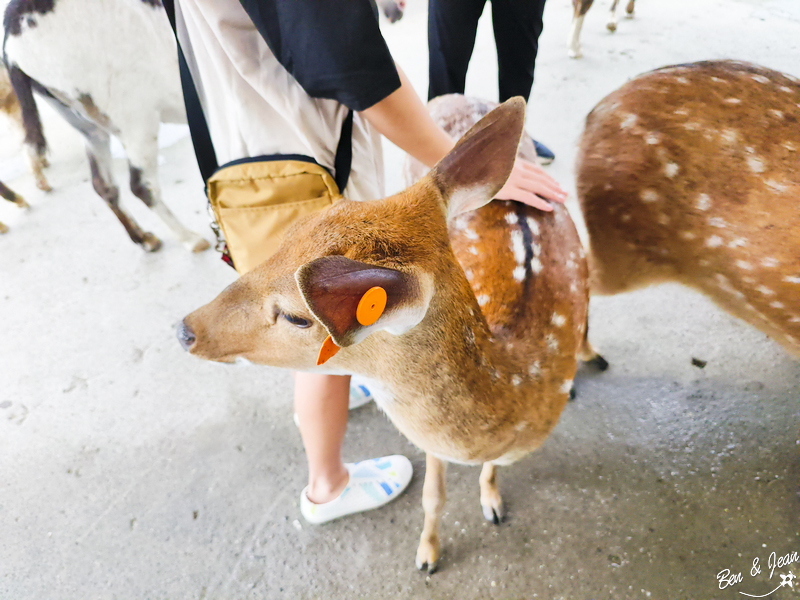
x,y
469,379
88,60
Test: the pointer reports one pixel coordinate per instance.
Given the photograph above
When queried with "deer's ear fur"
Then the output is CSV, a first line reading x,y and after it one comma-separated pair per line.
x,y
480,163
333,286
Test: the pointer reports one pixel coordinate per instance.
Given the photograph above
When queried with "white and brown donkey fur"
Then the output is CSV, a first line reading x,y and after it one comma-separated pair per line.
x,y
691,174
469,379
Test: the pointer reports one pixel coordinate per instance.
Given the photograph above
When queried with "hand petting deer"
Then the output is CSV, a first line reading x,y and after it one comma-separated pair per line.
x,y
475,380
691,174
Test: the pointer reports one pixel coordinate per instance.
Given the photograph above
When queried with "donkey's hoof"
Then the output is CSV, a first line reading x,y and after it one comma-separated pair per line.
x,y
150,243
428,557
3,227
198,245
611,26
20,201
43,185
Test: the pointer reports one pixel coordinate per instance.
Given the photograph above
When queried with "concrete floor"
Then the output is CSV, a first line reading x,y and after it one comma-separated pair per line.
x,y
130,470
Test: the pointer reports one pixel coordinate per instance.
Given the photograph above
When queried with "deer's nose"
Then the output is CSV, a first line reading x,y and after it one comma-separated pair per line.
x,y
185,335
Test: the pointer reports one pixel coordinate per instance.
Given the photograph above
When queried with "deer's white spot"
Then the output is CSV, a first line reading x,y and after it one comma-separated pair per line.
x,y
519,273
566,386
518,246
482,299
778,187
729,135
783,88
756,164
791,279
714,241
512,218
537,249
737,243
765,290
681,111
717,222
652,139
776,113
760,78
703,202
520,426
552,342
733,100
794,320
770,262
535,369
516,380
682,80
749,280
746,266
468,273
649,196
663,219
536,265
533,225
776,304
671,169
473,250
629,121
558,320
470,234
691,126
687,235
625,218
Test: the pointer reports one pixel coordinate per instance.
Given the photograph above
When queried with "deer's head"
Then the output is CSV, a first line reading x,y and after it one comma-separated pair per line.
x,y
359,268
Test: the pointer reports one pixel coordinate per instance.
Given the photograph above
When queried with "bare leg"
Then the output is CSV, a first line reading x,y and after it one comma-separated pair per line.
x,y
321,404
491,502
434,494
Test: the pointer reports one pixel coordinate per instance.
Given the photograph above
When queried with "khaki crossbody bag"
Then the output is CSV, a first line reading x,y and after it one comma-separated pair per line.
x,y
255,200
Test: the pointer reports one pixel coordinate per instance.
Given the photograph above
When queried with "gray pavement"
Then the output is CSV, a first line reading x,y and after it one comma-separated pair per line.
x,y
130,470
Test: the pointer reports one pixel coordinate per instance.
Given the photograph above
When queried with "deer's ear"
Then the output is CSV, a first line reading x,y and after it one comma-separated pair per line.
x,y
480,163
353,299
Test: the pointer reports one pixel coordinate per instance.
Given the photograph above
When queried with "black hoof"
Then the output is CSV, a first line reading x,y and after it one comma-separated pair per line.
x,y
572,393
598,362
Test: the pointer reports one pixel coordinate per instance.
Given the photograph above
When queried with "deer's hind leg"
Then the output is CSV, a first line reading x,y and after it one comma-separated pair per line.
x,y
589,355
11,196
434,495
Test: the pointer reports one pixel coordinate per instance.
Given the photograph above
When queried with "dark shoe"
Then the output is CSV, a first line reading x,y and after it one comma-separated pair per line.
x,y
544,153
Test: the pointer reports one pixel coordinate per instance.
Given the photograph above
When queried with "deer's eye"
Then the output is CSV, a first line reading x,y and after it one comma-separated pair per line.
x,y
297,321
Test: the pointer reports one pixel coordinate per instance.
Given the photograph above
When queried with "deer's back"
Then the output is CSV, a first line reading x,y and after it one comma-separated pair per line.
x,y
692,173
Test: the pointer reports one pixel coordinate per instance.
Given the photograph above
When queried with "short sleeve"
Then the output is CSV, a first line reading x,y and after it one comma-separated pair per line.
x,y
334,49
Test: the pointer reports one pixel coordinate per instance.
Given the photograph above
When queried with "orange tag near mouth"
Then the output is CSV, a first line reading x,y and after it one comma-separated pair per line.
x,y
328,350
371,306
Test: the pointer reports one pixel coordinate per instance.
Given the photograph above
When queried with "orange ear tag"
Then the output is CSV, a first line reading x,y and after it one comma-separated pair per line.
x,y
371,306
329,348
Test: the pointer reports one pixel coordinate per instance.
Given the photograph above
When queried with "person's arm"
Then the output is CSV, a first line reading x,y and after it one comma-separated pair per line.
x,y
403,119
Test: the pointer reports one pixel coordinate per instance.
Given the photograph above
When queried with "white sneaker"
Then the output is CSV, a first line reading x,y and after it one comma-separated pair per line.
x,y
359,393
372,483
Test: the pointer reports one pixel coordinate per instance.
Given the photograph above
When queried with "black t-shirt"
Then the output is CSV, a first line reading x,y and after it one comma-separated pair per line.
x,y
334,49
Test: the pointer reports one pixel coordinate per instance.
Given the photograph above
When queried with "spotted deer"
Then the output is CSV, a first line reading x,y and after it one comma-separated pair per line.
x,y
691,174
469,379
579,10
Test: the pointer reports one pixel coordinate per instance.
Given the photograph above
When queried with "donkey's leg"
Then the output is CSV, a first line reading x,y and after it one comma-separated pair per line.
x,y
141,146
434,495
98,148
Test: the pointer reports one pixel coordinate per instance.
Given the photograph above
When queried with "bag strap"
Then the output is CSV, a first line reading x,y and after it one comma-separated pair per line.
x,y
201,137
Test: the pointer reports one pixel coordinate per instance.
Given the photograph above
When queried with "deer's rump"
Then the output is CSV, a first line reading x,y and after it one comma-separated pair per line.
x,y
691,173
